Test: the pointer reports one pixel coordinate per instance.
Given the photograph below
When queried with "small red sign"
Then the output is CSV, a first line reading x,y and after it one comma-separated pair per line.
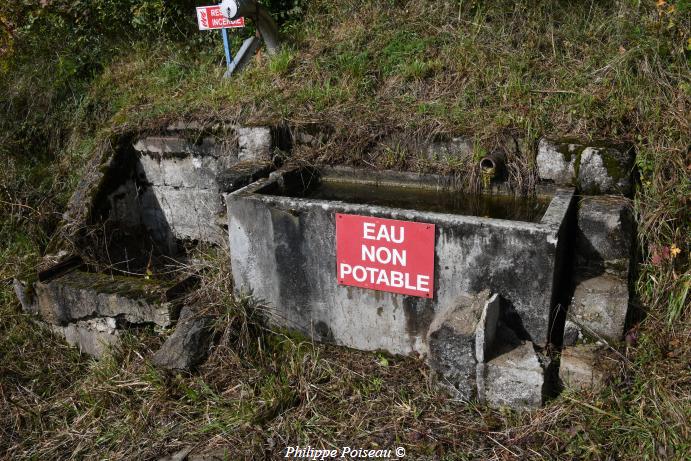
x,y
210,17
385,254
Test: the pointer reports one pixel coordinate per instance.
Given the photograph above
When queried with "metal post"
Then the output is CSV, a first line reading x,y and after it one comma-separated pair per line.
x,y
226,46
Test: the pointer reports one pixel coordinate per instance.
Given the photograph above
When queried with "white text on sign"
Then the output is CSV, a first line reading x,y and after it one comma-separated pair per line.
x,y
384,254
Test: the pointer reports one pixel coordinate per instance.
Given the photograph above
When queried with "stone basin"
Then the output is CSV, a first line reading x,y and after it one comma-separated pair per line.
x,y
282,232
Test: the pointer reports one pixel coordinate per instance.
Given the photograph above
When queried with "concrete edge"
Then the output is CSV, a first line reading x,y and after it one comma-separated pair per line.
x,y
549,224
558,208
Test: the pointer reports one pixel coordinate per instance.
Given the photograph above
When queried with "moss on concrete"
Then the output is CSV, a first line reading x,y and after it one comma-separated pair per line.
x,y
151,290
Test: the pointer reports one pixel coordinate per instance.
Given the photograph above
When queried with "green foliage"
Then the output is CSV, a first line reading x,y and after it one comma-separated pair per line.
x,y
402,49
281,62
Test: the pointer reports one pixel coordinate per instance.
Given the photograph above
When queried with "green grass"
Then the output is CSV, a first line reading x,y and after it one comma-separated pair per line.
x,y
381,76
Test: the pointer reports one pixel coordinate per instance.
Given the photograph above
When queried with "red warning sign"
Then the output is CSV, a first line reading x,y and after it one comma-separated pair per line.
x,y
385,254
210,17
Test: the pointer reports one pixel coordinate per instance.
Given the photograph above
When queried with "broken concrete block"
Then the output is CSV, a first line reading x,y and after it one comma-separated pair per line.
x,y
451,341
83,295
187,347
572,333
605,236
585,366
514,379
606,170
486,330
557,161
599,307
92,337
254,143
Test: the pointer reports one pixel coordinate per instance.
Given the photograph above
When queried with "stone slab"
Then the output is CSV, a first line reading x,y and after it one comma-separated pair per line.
x,y
605,236
176,145
599,307
451,339
80,295
254,143
585,367
486,331
188,346
514,379
93,337
243,173
197,171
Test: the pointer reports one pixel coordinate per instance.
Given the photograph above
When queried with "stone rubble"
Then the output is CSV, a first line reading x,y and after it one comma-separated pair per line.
x,y
189,343
585,367
451,340
514,379
93,337
475,356
91,310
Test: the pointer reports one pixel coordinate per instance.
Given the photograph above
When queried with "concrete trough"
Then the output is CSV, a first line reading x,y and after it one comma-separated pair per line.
x,y
283,245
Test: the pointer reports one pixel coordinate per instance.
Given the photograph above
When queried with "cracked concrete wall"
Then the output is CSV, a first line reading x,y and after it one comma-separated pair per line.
x,y
181,193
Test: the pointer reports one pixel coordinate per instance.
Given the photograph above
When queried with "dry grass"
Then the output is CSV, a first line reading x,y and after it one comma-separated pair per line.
x,y
261,391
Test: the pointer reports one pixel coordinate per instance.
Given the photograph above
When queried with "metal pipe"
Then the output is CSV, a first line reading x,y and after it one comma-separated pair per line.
x,y
494,164
233,9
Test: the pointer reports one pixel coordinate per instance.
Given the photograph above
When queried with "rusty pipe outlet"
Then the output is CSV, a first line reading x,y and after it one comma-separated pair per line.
x,y
493,165
233,9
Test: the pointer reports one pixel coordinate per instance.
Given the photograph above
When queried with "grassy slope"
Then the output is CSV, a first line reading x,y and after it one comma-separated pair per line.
x,y
372,71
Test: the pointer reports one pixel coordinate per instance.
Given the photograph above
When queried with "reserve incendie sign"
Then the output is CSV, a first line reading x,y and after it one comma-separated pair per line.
x,y
385,254
210,17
